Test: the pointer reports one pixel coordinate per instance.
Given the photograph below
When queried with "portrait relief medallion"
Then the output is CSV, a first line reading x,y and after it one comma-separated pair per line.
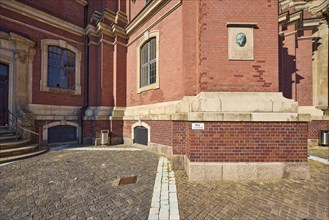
x,y
241,39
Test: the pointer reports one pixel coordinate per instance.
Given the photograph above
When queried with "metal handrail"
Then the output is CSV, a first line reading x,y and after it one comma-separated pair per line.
x,y
13,119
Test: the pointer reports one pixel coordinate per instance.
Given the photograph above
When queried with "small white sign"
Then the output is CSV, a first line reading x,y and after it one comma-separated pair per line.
x,y
198,126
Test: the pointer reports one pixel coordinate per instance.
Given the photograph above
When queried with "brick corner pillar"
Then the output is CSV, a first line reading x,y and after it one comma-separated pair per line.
x,y
119,72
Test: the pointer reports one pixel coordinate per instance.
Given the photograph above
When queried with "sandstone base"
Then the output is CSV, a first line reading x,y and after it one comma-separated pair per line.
x,y
202,171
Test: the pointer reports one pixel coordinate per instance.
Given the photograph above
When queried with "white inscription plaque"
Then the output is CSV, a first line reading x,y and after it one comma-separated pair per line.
x,y
198,126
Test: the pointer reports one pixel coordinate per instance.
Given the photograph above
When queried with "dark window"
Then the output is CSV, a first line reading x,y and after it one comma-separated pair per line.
x,y
61,68
148,63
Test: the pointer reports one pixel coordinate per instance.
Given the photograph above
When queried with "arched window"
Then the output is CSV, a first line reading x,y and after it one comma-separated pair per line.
x,y
148,77
61,68
148,63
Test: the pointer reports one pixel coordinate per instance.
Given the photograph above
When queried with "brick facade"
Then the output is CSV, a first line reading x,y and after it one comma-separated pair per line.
x,y
193,47
314,128
215,71
248,142
232,141
40,97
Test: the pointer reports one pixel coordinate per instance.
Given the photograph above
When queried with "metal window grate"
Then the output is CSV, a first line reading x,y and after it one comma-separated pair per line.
x,y
148,63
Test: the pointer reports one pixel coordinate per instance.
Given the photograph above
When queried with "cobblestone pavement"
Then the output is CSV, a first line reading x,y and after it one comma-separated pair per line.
x,y
75,184
319,151
78,185
282,199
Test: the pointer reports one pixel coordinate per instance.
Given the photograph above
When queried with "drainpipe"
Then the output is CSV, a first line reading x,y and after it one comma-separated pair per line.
x,y
86,76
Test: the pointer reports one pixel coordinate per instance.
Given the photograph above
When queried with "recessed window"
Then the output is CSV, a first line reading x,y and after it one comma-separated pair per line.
x,y
61,68
148,63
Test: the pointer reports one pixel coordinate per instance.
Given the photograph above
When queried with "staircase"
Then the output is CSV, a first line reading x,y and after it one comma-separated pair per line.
x,y
12,147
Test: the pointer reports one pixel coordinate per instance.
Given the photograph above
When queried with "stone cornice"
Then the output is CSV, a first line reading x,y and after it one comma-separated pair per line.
x,y
241,24
82,2
145,14
41,16
109,15
102,28
120,16
287,18
38,29
17,38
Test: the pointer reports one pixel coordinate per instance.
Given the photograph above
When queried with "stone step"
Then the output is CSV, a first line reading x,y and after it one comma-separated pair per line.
x,y
18,150
7,132
8,138
14,144
23,156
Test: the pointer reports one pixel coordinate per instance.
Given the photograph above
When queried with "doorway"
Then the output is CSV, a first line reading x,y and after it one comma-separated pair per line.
x,y
4,90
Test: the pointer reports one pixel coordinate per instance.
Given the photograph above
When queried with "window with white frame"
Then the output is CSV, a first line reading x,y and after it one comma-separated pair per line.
x,y
60,68
148,62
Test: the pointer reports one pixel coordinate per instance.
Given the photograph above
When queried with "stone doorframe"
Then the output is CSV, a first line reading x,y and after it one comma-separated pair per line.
x,y
18,53
140,123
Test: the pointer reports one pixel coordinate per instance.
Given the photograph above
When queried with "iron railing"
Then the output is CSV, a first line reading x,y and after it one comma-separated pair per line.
x,y
13,122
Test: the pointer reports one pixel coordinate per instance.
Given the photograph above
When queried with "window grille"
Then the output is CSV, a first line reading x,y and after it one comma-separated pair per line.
x,y
148,63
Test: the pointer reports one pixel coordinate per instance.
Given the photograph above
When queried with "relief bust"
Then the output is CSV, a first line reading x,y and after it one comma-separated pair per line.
x,y
241,39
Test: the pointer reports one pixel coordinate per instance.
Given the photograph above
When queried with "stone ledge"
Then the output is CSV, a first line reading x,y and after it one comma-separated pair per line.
x,y
201,171
222,106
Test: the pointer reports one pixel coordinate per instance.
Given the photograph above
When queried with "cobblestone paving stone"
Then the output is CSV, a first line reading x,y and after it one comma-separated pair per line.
x,y
281,199
319,151
78,185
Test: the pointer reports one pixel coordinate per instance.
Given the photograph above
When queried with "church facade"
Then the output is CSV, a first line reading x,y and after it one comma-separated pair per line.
x,y
227,90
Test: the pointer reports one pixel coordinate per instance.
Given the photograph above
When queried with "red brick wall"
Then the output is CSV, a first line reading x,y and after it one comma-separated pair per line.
x,y
180,142
91,127
288,65
120,67
194,51
170,65
296,66
39,97
116,128
94,74
215,71
249,142
232,141
70,11
134,8
161,131
304,78
106,74
127,128
190,56
314,128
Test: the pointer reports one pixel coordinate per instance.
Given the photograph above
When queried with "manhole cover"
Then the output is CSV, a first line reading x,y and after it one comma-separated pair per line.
x,y
127,180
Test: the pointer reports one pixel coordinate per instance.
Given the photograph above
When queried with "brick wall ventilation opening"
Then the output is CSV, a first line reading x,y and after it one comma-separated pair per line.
x,y
62,133
140,135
